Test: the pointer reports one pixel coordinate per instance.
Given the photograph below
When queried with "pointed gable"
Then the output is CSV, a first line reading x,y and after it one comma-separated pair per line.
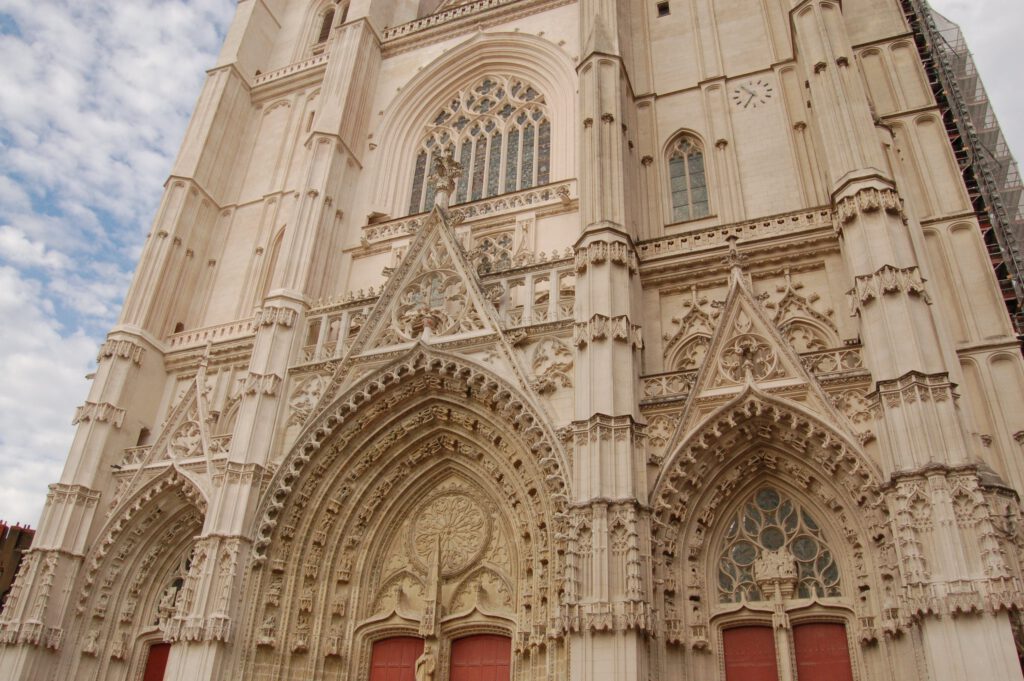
x,y
747,350
433,294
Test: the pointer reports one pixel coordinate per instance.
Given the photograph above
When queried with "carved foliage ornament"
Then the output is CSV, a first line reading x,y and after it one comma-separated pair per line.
x,y
551,366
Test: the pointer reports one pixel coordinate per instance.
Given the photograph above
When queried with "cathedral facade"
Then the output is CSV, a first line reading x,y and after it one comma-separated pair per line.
x,y
548,340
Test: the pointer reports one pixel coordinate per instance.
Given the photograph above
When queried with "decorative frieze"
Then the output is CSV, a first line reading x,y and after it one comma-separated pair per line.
x,y
605,617
123,349
99,412
886,280
718,236
539,197
667,386
868,200
601,327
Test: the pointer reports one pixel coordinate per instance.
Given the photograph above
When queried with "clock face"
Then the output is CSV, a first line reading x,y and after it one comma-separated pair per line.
x,y
752,94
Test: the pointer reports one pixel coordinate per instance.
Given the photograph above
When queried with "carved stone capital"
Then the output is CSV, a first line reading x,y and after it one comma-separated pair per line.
x,y
867,200
599,252
886,280
72,495
912,387
273,314
266,384
603,427
121,349
100,412
601,327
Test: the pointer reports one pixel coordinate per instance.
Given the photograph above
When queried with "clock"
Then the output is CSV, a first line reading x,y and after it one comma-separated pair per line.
x,y
752,94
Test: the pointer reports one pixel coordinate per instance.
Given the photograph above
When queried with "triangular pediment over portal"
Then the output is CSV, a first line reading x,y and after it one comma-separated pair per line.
x,y
747,350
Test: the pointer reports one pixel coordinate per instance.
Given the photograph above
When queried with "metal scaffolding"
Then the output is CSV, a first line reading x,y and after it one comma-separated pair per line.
x,y
988,168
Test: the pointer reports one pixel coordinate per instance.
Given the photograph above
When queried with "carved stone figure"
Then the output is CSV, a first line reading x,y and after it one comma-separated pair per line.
x,y
426,663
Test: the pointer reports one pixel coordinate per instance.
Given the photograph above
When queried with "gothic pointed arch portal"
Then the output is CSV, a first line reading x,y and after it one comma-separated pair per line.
x,y
759,444
139,579
422,502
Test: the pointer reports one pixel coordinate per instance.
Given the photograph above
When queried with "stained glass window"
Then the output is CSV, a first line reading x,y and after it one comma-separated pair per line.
x,y
499,131
688,183
771,522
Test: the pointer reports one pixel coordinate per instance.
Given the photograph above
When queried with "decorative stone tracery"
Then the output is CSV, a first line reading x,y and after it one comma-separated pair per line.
x,y
459,497
756,437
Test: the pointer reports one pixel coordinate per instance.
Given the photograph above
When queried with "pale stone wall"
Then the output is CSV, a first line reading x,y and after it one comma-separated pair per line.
x,y
308,386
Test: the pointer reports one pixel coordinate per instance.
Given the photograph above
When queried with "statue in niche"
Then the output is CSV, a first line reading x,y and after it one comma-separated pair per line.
x,y
426,664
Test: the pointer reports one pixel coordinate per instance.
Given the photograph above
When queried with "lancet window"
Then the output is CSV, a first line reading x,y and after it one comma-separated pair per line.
x,y
499,130
771,526
323,22
688,180
325,26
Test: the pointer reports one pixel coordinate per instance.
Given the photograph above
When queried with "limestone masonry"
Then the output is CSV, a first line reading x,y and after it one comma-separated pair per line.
x,y
543,340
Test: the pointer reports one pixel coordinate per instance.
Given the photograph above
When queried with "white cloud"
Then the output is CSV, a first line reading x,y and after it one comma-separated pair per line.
x,y
43,380
96,96
18,249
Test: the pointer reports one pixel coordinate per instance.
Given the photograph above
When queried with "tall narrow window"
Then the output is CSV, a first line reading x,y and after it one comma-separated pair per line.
x,y
689,185
499,131
325,27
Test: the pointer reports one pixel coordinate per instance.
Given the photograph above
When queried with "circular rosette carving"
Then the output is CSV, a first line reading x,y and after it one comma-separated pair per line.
x,y
434,300
456,525
745,354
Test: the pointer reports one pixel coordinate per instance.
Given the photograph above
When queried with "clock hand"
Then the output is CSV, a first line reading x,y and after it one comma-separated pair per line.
x,y
746,90
748,100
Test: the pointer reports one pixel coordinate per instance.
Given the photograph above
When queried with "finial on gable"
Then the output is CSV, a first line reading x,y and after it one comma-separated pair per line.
x,y
734,259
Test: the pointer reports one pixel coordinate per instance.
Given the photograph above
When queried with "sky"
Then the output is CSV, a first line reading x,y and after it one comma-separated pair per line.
x,y
94,99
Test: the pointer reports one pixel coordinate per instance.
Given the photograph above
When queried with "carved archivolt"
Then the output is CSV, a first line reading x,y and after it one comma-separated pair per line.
x,y
134,577
138,513
759,438
382,390
425,498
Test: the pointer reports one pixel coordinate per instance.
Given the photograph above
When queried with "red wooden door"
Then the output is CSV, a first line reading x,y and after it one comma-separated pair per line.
x,y
750,654
394,659
822,653
156,662
481,658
